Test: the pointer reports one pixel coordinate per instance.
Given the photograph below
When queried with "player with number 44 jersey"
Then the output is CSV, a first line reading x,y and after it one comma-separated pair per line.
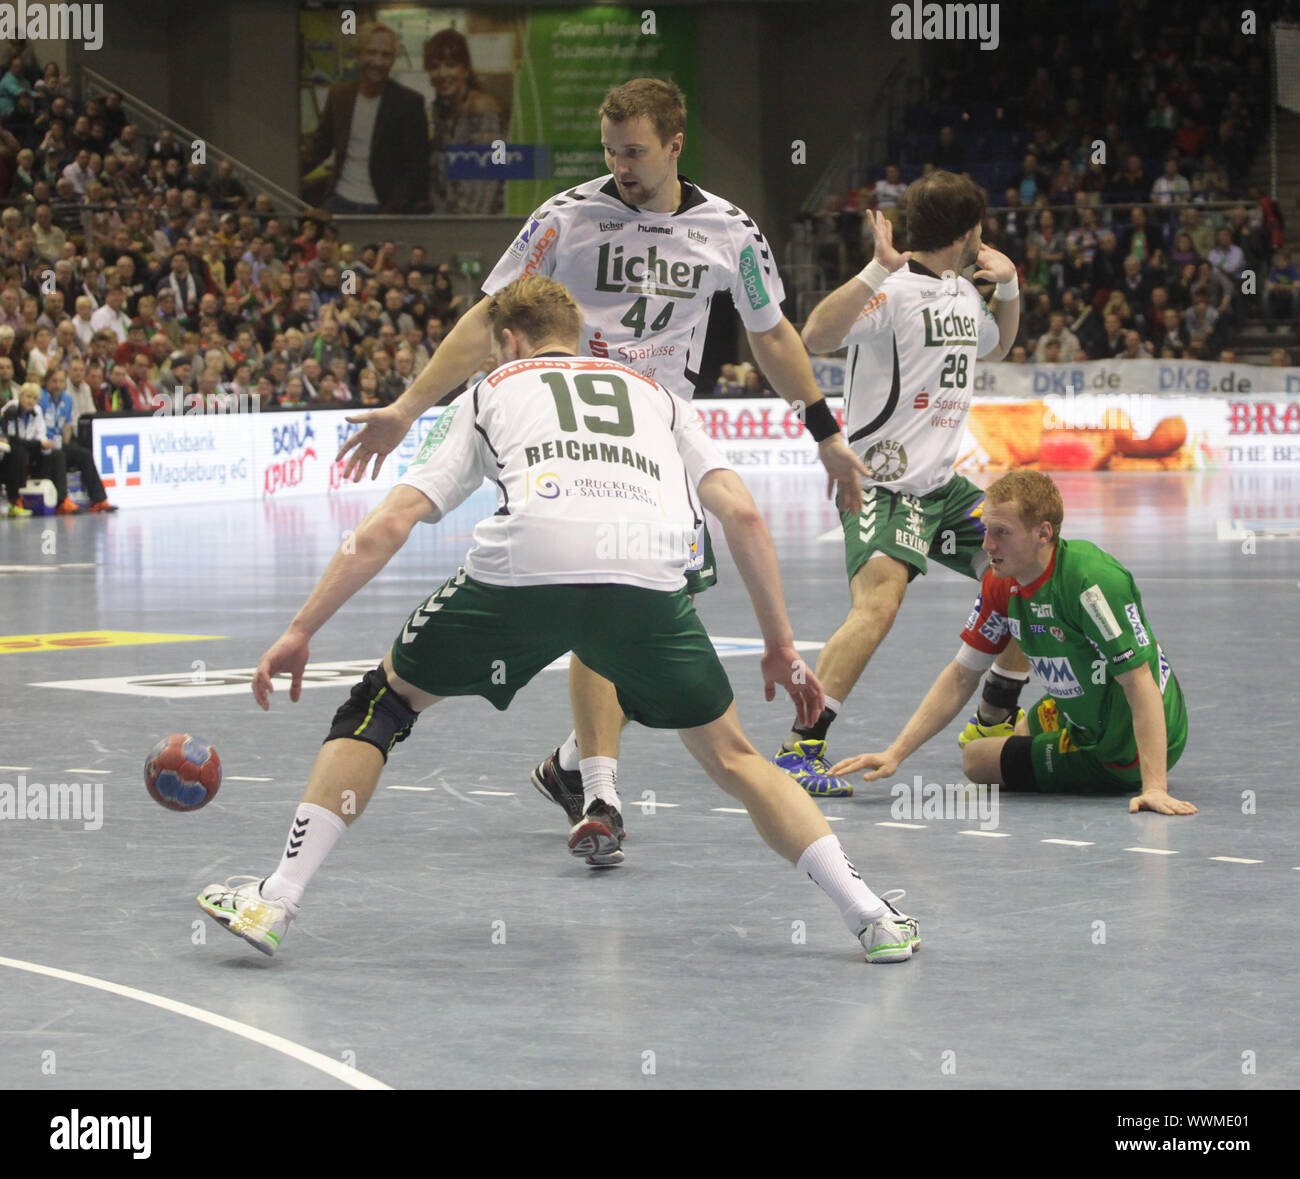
x,y
644,251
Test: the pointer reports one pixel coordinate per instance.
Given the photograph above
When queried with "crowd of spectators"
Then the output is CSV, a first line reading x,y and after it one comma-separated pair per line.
x,y
128,272
1134,249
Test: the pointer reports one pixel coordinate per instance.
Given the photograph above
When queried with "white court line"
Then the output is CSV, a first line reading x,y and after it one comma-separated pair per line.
x,y
1235,860
241,778
1152,851
904,826
493,793
654,806
308,1056
730,810
833,818
15,767
79,770
988,834
1069,842
422,789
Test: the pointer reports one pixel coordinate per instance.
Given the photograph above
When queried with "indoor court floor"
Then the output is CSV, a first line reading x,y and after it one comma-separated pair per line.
x,y
450,940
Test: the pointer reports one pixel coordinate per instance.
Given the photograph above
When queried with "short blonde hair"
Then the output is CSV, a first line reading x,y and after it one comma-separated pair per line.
x,y
30,387
1034,493
536,307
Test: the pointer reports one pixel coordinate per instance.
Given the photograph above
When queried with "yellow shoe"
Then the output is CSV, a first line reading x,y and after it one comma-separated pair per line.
x,y
19,510
974,731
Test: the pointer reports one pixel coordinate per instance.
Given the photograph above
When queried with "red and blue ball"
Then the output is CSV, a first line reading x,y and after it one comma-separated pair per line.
x,y
182,772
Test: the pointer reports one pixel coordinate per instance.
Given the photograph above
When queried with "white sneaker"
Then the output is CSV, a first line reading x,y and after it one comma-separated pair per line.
x,y
907,924
884,941
241,908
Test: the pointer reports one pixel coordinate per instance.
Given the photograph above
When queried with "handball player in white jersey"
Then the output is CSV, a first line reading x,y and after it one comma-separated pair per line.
x,y
643,250
914,328
582,451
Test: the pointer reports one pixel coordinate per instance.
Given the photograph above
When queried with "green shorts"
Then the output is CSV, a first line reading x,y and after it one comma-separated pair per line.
x,y
702,572
944,526
1060,766
473,639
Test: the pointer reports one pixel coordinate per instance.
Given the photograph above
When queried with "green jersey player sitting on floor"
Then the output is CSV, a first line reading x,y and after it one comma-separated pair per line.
x,y
914,328
1114,719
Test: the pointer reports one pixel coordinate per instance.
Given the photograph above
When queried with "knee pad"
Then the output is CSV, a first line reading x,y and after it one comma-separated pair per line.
x,y
1018,764
373,713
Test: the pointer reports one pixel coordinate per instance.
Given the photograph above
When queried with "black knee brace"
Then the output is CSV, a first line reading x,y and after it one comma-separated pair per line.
x,y
373,713
1002,691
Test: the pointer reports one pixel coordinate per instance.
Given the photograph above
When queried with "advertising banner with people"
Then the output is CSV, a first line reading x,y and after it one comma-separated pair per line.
x,y
408,109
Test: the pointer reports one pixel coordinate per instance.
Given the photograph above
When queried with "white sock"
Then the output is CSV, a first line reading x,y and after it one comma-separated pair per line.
x,y
599,780
834,705
824,860
569,752
313,833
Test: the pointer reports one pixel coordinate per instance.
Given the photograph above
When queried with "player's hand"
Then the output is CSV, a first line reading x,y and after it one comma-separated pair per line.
x,y
288,653
877,765
844,471
1160,801
994,266
883,230
784,665
381,433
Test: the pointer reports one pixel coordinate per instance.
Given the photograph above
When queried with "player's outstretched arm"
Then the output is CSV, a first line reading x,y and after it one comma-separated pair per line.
x,y
365,552
727,497
1153,744
946,698
456,359
832,318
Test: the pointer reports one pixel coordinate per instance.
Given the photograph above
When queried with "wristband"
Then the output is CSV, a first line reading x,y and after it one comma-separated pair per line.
x,y
820,421
873,274
1006,291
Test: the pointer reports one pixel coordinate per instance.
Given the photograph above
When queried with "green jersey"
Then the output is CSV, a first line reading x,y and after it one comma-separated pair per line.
x,y
1080,625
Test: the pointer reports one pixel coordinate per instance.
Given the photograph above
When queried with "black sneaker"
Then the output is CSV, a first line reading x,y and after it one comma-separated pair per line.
x,y
598,836
562,787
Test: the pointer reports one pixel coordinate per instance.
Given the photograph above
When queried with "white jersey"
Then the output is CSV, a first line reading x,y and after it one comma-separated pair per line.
x,y
595,466
909,376
645,281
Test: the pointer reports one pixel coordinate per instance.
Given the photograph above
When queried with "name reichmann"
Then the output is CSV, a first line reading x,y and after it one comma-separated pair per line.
x,y
589,452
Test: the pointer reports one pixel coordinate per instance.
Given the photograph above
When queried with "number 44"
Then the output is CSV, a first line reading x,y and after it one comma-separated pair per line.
x,y
635,317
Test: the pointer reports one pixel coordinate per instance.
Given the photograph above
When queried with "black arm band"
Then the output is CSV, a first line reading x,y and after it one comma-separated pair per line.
x,y
820,421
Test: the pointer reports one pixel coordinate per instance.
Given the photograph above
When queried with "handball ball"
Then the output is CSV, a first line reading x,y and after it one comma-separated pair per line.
x,y
182,772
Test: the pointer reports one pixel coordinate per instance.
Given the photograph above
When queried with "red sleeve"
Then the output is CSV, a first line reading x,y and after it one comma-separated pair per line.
x,y
986,628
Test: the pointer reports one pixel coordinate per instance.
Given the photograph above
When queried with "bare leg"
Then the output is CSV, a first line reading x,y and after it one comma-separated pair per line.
x,y
597,718
787,819
878,589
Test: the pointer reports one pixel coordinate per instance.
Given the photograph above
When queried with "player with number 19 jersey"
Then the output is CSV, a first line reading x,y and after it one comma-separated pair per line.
x,y
595,467
645,280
